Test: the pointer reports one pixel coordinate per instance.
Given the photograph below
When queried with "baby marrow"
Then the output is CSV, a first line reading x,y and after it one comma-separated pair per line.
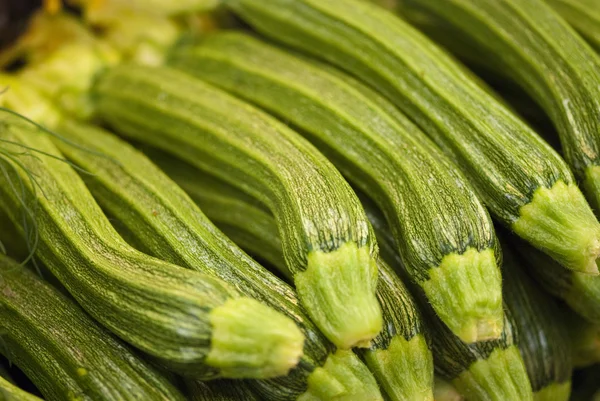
x,y
542,334
328,243
165,221
63,351
583,15
183,318
525,184
10,392
221,390
452,256
527,41
399,356
485,370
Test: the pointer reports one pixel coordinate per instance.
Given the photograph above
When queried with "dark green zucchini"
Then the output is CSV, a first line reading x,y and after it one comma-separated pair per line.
x,y
160,216
528,42
183,318
221,390
486,370
543,337
452,256
583,15
585,339
524,183
399,356
65,353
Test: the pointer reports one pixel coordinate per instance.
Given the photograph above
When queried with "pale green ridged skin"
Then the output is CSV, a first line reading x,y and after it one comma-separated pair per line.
x,y
163,221
10,392
382,152
64,352
504,159
160,308
399,356
221,390
318,216
487,370
554,392
583,15
542,332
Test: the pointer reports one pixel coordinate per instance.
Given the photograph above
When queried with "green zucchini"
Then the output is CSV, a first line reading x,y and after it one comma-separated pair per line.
x,y
543,338
525,184
183,318
585,340
328,242
221,390
452,256
162,218
486,370
63,351
444,391
583,15
10,392
527,41
399,356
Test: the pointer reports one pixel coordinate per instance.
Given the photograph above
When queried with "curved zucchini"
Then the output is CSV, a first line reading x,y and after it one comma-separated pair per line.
x,y
399,356
525,184
486,370
452,256
183,318
221,390
583,15
10,392
160,216
527,41
63,351
543,338
322,225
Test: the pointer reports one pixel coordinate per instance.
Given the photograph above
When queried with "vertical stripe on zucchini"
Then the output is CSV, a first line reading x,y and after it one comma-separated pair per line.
x,y
161,217
328,243
184,318
527,41
486,370
63,351
583,15
399,356
524,183
451,255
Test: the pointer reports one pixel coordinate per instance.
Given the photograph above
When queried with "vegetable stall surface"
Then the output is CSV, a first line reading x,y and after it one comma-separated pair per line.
x,y
452,256
179,316
328,243
525,184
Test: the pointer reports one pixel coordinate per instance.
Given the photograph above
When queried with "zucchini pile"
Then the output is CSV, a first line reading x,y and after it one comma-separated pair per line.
x,y
302,200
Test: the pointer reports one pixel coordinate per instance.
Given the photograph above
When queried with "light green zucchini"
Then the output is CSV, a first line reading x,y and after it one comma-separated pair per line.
x,y
63,351
10,392
444,391
543,337
399,356
183,318
525,184
486,370
221,390
528,42
322,225
166,223
452,256
583,15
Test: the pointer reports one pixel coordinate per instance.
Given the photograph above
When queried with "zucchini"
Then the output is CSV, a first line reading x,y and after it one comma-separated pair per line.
x,y
444,391
162,218
328,243
527,41
583,15
525,184
584,340
399,356
485,370
10,392
543,338
221,390
79,360
452,256
183,318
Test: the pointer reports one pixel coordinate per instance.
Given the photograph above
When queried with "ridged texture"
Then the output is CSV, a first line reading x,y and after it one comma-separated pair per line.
x,y
543,339
402,321
160,308
65,353
165,222
527,41
379,150
504,159
316,211
583,15
221,390
468,366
